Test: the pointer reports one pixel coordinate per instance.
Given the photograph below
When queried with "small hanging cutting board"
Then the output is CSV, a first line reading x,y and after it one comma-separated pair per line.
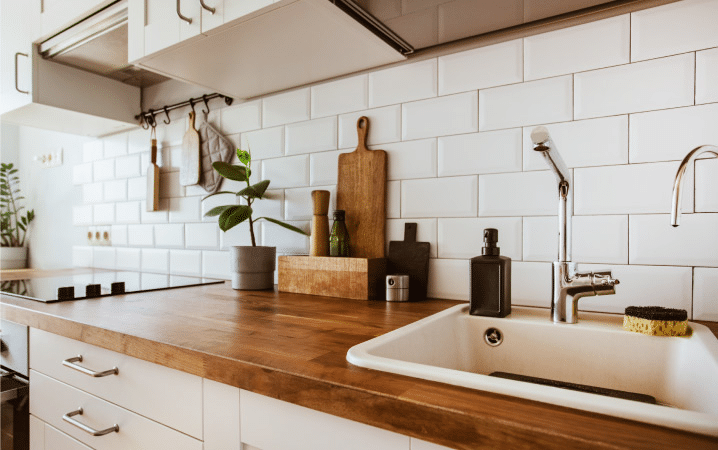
x,y
361,192
189,166
153,178
411,258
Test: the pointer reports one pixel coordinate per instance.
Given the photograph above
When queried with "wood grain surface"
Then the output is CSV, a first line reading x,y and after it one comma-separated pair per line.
x,y
153,180
292,347
319,239
361,192
189,165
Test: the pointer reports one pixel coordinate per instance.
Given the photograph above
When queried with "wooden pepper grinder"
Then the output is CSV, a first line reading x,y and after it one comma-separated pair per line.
x,y
319,240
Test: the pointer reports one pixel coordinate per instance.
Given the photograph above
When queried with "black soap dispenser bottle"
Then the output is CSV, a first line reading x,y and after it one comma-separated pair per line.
x,y
490,279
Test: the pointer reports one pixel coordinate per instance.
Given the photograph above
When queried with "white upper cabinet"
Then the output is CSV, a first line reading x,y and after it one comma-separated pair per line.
x,y
58,14
226,11
168,22
15,54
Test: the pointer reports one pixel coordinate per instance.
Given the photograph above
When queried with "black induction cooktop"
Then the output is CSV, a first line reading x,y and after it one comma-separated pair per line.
x,y
97,284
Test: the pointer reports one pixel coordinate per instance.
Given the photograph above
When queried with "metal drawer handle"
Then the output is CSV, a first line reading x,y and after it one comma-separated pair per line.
x,y
17,87
208,8
179,13
78,412
71,364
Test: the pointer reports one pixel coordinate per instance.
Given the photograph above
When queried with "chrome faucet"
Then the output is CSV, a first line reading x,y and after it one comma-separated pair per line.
x,y
568,285
678,183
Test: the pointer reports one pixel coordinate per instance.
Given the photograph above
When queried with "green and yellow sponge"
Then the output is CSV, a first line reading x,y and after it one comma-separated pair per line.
x,y
656,320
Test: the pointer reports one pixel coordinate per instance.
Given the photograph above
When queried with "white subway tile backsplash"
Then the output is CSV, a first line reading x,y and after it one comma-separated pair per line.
x,y
393,199
169,135
316,135
82,173
593,45
128,259
170,185
518,194
705,294
103,213
463,238
185,209
286,108
583,143
675,28
115,190
265,143
138,141
404,83
92,192
425,232
170,235
159,216
215,264
411,159
600,239
452,114
243,117
239,235
103,169
92,151
449,278
201,235
645,86
540,238
490,66
128,166
323,167
298,202
477,153
706,185
670,134
384,126
186,262
286,241
115,145
103,257
140,235
118,235
531,103
271,205
531,284
706,74
155,260
428,198
82,215
289,172
628,189
642,286
337,97
128,212
81,256
652,240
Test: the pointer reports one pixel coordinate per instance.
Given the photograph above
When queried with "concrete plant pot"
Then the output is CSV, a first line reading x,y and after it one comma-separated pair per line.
x,y
13,257
253,267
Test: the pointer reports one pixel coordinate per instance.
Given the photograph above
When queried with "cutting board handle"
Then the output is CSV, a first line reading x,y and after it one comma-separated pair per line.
x,y
191,120
410,232
362,131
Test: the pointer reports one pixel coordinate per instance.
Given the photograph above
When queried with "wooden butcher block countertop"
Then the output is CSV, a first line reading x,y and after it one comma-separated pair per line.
x,y
293,347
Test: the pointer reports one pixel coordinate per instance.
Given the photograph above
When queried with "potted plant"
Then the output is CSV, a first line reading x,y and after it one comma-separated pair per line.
x,y
252,266
13,224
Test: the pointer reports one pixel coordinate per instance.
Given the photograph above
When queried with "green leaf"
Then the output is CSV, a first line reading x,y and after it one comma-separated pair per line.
x,y
230,171
285,225
255,191
218,193
261,187
21,226
244,157
234,216
217,210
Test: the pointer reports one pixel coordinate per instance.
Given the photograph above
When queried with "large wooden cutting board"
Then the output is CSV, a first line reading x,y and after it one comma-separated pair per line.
x,y
189,165
361,192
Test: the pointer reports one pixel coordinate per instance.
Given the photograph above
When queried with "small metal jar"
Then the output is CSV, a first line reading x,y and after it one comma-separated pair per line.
x,y
397,288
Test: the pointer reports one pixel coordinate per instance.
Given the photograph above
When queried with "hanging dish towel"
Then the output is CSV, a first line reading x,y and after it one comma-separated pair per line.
x,y
213,147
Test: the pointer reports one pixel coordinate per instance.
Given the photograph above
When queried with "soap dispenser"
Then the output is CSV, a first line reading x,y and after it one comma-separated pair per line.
x,y
490,279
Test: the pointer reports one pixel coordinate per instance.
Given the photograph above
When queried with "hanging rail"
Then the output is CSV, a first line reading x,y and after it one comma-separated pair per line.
x,y
147,118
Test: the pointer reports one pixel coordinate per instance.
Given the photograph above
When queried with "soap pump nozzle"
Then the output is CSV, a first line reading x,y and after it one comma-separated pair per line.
x,y
491,237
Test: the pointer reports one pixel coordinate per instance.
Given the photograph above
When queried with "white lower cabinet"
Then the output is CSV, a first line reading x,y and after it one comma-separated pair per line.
x,y
221,416
45,437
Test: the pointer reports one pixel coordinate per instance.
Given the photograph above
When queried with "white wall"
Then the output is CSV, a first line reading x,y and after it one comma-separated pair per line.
x,y
624,99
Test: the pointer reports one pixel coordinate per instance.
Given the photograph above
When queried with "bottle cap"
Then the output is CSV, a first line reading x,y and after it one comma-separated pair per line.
x,y
338,214
491,237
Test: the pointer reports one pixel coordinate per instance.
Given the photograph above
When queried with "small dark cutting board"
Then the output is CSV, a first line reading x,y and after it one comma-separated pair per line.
x,y
411,258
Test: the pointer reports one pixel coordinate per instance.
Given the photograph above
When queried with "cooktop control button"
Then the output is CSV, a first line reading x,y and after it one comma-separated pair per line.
x,y
93,290
66,293
117,288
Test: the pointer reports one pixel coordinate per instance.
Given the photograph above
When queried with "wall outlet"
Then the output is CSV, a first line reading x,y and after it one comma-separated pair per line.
x,y
52,159
99,236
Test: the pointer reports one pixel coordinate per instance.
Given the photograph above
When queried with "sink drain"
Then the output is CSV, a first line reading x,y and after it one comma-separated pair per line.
x,y
493,337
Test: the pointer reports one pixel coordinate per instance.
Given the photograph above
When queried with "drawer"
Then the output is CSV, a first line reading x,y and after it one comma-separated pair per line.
x,y
165,395
57,440
51,399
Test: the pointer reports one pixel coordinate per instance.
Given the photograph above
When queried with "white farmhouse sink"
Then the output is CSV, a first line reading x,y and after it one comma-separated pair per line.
x,y
449,347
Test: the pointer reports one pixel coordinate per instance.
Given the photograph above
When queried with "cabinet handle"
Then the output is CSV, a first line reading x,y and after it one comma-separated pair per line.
x,y
71,364
208,8
78,412
17,88
179,13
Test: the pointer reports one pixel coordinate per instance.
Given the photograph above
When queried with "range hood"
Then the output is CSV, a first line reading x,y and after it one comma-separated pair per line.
x,y
98,44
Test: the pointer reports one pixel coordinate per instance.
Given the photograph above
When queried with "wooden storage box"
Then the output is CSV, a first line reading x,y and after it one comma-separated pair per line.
x,y
357,278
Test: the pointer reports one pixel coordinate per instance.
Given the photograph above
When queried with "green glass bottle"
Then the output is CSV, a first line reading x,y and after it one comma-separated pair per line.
x,y
339,237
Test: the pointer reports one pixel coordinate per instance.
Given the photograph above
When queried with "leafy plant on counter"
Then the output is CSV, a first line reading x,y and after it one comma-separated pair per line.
x,y
13,224
232,215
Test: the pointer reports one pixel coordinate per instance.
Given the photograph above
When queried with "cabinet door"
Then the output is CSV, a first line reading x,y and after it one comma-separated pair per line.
x,y
37,433
228,10
15,55
57,440
59,14
221,416
163,25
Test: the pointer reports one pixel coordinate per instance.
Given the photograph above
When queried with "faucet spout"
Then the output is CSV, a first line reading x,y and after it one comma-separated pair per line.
x,y
678,183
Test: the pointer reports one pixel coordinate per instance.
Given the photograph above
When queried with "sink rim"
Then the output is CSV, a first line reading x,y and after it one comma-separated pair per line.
x,y
698,422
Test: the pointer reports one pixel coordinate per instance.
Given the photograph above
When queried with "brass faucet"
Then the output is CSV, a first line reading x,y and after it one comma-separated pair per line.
x,y
678,183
